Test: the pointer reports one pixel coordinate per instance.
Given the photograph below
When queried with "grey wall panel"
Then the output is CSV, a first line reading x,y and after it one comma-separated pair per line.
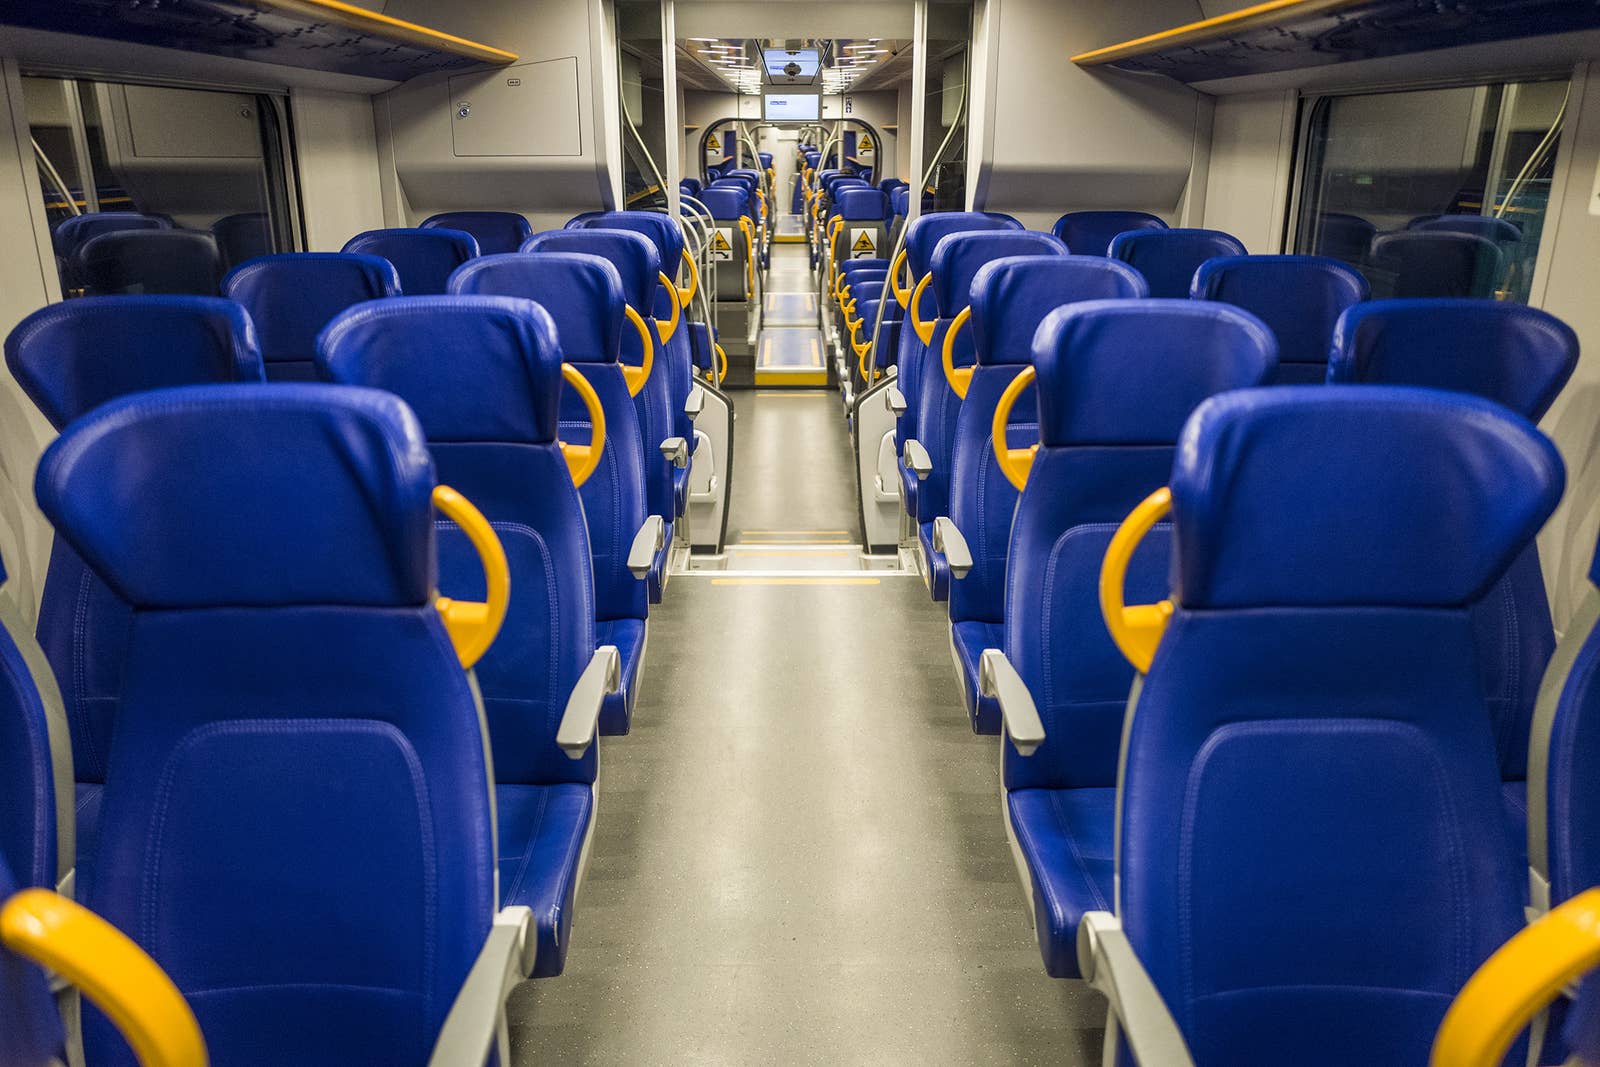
x,y
1247,183
528,109
337,153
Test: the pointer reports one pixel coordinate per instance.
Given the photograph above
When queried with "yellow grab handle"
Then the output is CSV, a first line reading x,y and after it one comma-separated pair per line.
x,y
723,356
1015,463
669,327
583,459
924,329
901,295
686,295
862,350
750,251
111,970
960,378
472,626
1135,629
1517,982
634,376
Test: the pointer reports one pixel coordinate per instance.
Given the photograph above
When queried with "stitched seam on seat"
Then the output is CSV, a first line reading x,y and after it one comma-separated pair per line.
x,y
80,656
1077,856
511,891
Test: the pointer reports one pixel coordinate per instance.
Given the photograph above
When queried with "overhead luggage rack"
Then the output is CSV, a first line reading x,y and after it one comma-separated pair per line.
x,y
1291,34
325,35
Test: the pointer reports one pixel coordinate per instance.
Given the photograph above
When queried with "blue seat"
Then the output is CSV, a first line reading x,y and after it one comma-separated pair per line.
x,y
422,258
1299,297
1520,357
1010,297
483,375
75,232
148,262
1310,853
1345,237
1500,231
583,296
1169,258
1116,380
70,358
1424,263
495,231
293,295
1089,233
639,266
31,1034
300,761
956,260
241,237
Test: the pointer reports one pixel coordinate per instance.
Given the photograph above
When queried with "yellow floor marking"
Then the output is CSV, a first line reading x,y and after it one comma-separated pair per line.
x,y
816,353
807,532
792,378
795,581
766,553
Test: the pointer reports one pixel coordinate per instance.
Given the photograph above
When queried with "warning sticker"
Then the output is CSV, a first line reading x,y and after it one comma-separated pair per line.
x,y
722,245
713,145
865,144
863,244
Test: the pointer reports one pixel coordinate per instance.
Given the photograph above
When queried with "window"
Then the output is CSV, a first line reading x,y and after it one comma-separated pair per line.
x,y
1432,192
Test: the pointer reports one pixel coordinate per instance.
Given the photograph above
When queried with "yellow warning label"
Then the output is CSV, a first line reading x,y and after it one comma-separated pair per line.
x,y
713,145
722,244
865,144
864,243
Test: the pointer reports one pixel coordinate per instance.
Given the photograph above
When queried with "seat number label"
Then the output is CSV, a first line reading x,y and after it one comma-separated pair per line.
x,y
722,244
863,244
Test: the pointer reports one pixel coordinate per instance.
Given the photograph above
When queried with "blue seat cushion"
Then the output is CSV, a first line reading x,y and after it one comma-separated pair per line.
x,y
680,489
908,490
1066,837
542,829
88,796
616,715
970,639
656,583
938,569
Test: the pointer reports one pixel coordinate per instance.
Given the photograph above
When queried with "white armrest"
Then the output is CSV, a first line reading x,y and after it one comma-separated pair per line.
x,y
476,1019
947,538
998,680
677,450
895,400
581,718
647,544
696,402
1109,964
916,457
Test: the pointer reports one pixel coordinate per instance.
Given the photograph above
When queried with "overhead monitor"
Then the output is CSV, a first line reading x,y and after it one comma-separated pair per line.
x,y
791,107
784,67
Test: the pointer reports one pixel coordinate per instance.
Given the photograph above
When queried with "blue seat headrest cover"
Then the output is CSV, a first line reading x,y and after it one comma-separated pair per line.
x,y
1011,296
581,293
495,231
1420,498
73,356
473,368
662,231
863,204
275,495
1130,372
958,257
1510,353
922,235
291,296
631,252
724,204
1298,296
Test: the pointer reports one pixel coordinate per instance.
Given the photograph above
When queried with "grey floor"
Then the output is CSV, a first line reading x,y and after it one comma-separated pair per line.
x,y
799,855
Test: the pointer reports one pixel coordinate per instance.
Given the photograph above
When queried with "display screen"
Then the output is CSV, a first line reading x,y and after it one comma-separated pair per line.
x,y
788,107
778,60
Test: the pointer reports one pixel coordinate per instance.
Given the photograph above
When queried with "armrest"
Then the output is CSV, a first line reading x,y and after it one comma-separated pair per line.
x,y
1110,965
895,400
677,450
581,718
647,544
916,457
473,1027
999,681
948,539
696,402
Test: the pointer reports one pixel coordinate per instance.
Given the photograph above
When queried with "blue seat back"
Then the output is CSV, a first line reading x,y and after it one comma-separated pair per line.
x,y
71,358
293,295
1424,263
1346,237
1311,849
300,750
1010,298
1500,231
73,233
1169,258
1520,357
423,258
1116,380
30,1026
583,296
1298,297
1089,233
241,237
483,375
148,262
725,205
495,231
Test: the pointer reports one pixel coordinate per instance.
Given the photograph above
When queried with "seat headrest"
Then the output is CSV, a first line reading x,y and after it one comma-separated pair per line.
x,y
1509,353
74,356
1327,496
73,232
1011,296
629,251
1129,372
900,201
1299,297
1481,225
150,262
423,258
215,496
495,231
725,205
1440,263
661,230
581,293
863,204
473,368
958,257
1089,233
924,234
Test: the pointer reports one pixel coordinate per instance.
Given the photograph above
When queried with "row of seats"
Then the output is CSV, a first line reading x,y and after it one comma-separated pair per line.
x,y
220,681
